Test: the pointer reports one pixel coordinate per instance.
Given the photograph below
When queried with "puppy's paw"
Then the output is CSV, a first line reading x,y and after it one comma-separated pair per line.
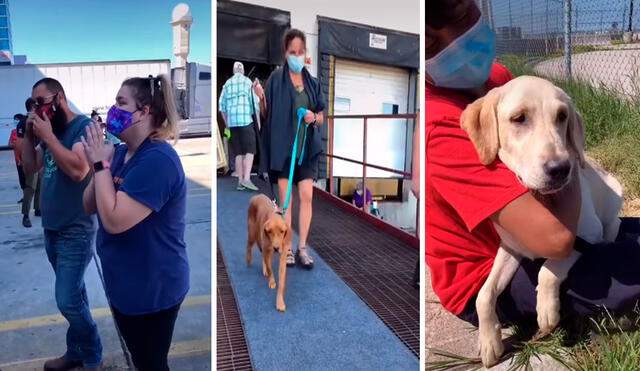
x,y
272,284
280,305
548,309
491,347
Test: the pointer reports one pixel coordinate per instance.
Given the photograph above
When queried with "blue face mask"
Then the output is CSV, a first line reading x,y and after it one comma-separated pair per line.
x,y
16,122
466,62
296,63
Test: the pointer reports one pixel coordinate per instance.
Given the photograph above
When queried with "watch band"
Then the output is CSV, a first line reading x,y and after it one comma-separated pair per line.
x,y
101,165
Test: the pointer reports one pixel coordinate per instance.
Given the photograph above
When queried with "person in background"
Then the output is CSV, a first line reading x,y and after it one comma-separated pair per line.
x,y
238,104
360,200
31,190
289,88
15,143
139,192
68,231
466,200
95,117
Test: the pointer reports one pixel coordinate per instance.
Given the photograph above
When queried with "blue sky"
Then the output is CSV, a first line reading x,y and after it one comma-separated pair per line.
x,y
57,31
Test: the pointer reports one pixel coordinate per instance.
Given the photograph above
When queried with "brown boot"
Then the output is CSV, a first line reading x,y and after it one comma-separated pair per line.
x,y
61,364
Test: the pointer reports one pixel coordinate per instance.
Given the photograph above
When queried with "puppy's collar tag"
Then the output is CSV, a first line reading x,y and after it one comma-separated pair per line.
x,y
276,209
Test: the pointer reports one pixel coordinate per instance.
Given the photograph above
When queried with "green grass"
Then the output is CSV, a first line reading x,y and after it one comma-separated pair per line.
x,y
611,124
581,345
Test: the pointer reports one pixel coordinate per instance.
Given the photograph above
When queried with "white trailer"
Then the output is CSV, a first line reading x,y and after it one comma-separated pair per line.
x,y
194,100
93,86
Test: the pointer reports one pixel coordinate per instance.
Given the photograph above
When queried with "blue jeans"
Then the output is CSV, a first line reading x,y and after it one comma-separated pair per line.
x,y
69,253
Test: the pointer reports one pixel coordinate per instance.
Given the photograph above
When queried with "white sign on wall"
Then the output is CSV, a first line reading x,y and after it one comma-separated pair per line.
x,y
378,41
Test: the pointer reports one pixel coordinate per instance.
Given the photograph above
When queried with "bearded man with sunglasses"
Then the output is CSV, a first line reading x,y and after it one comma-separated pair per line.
x,y
69,232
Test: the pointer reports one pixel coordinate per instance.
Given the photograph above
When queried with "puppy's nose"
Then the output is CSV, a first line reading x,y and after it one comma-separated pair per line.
x,y
557,170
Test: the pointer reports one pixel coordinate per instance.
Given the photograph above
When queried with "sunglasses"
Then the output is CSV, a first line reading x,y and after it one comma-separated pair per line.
x,y
40,101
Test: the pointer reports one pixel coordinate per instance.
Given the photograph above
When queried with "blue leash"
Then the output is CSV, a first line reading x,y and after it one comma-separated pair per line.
x,y
301,113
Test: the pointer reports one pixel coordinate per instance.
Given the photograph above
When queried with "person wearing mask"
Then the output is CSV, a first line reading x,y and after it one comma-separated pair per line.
x,y
68,230
139,191
466,200
238,104
360,200
289,88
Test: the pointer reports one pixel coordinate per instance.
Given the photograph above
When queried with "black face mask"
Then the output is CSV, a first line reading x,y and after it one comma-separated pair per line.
x,y
59,120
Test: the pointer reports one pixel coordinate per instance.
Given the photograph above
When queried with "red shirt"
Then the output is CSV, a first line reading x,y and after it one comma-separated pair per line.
x,y
13,138
461,194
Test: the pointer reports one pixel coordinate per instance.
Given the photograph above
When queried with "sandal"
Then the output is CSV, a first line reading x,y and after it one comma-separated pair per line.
x,y
305,258
291,260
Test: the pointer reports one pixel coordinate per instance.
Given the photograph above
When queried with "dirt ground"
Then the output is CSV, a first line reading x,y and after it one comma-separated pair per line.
x,y
631,207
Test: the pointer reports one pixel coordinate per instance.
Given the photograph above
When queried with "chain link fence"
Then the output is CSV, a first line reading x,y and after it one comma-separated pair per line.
x,y
594,41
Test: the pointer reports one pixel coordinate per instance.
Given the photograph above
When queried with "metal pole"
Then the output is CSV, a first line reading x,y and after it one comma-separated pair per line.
x,y
418,218
510,20
364,166
631,16
546,29
531,11
331,187
567,38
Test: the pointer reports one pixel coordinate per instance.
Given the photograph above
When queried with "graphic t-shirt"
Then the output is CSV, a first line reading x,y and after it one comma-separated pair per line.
x,y
61,197
146,269
460,196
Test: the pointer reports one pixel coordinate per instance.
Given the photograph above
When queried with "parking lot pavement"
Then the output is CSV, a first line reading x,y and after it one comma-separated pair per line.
x,y
31,328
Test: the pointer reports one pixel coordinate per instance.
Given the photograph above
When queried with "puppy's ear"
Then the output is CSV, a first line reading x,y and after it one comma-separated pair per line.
x,y
575,134
480,121
266,229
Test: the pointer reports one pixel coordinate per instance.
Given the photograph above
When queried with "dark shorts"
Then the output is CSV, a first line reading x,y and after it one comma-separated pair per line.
x,y
606,275
243,140
308,170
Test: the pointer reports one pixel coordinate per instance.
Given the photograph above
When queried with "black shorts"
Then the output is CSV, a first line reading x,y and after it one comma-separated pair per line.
x,y
243,140
300,172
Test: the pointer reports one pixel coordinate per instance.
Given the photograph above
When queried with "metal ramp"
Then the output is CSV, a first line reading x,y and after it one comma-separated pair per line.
x,y
355,310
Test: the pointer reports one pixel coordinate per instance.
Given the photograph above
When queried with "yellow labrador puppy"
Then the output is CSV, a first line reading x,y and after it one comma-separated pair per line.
x,y
533,127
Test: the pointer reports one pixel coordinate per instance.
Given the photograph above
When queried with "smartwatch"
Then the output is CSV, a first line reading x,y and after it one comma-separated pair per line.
x,y
101,165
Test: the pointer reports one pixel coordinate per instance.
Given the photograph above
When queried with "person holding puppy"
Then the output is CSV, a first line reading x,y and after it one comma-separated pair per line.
x,y
466,200
289,88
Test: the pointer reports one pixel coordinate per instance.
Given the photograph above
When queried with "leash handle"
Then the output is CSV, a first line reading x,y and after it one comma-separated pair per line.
x,y
301,112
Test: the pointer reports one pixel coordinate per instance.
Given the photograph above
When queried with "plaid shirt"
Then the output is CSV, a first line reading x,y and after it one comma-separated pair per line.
x,y
235,101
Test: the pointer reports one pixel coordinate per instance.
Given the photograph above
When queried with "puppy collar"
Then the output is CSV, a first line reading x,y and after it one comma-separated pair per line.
x,y
277,210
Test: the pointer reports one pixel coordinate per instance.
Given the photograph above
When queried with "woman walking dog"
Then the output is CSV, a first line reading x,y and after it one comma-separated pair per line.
x,y
289,88
139,193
